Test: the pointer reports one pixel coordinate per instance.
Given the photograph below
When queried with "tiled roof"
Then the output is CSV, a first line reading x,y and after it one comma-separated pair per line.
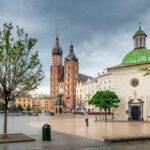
x,y
83,77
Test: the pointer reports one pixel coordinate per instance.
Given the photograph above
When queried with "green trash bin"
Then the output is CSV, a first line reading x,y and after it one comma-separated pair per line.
x,y
46,132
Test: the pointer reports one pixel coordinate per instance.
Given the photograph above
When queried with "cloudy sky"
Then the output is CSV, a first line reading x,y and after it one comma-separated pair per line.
x,y
101,30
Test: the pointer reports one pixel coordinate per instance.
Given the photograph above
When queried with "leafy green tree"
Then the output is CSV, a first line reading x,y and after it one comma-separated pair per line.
x,y
20,108
20,67
28,108
106,100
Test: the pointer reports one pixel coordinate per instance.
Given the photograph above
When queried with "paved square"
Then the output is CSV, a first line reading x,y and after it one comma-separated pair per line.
x,y
70,133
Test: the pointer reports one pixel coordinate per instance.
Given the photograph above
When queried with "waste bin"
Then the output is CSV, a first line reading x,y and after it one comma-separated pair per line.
x,y
46,132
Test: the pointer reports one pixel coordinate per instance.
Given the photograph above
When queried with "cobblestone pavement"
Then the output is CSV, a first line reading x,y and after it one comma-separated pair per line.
x,y
70,133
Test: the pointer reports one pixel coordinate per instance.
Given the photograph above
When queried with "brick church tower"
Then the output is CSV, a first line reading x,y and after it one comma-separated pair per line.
x,y
63,79
71,67
55,70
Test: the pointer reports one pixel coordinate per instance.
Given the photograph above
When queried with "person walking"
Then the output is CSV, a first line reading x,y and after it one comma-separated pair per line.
x,y
87,119
96,118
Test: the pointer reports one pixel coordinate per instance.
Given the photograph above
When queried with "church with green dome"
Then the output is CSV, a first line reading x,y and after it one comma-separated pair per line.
x,y
140,54
128,81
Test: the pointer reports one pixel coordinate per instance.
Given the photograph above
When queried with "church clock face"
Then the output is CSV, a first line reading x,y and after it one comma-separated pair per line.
x,y
134,82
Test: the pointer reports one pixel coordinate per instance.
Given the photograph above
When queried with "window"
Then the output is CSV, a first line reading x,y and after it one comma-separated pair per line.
x,y
136,42
140,41
134,82
67,67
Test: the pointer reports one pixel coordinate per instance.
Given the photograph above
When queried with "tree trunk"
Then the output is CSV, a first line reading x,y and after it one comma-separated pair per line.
x,y
5,136
105,114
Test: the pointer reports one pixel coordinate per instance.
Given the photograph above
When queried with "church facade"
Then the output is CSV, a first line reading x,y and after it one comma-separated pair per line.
x,y
128,81
64,75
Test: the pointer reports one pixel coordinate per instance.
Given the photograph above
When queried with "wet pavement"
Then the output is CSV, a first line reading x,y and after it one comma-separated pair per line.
x,y
70,133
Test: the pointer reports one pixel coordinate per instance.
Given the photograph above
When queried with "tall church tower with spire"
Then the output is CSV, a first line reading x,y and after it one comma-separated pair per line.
x,y
71,67
63,79
55,69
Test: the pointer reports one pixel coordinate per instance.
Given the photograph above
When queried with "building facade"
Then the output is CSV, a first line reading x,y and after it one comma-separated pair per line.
x,y
128,81
36,105
24,102
64,76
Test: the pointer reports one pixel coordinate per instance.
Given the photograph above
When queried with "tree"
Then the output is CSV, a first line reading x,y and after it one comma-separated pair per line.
x,y
106,100
20,67
20,108
28,108
146,70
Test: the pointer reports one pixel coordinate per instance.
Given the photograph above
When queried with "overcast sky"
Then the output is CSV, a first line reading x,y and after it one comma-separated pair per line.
x,y
101,30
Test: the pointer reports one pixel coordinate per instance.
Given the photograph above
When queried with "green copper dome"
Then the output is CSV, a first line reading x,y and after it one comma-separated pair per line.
x,y
139,32
140,55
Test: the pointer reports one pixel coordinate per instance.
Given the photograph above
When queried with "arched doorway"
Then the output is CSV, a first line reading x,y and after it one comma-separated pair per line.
x,y
135,110
60,110
56,110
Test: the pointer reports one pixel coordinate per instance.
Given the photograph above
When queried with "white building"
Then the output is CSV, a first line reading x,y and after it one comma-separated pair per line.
x,y
89,88
128,81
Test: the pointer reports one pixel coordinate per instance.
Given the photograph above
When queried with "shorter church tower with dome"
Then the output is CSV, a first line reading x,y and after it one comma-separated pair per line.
x,y
128,81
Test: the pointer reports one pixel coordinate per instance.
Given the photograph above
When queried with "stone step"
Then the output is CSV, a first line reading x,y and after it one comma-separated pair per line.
x,y
124,138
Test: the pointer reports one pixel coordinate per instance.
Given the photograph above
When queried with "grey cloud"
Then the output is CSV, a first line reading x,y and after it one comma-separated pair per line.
x,y
98,28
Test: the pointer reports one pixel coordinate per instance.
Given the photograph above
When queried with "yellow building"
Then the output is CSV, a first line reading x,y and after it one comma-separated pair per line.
x,y
37,105
24,102
44,105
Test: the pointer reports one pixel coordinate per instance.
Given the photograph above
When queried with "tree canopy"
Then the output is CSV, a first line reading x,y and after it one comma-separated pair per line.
x,y
20,67
106,100
20,108
146,70
28,108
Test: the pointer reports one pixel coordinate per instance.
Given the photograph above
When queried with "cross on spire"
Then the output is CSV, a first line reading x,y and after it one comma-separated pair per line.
x,y
140,25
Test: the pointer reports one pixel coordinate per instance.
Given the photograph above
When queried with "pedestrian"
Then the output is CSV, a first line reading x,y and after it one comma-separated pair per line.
x,y
96,118
87,119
